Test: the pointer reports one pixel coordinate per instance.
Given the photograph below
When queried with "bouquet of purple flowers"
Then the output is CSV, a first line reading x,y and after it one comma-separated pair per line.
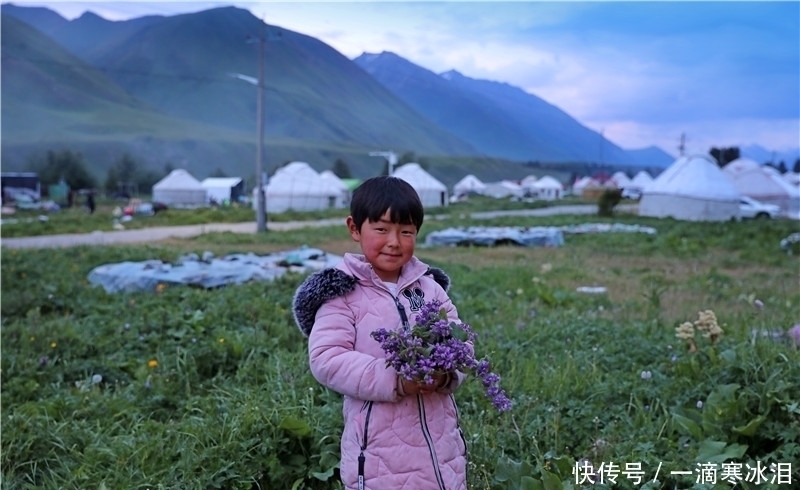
x,y
435,345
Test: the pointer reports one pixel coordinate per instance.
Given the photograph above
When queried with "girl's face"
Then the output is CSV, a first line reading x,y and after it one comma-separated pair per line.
x,y
387,246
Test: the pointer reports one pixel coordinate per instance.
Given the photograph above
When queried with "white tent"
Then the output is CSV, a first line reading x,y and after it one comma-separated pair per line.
x,y
621,179
431,192
693,188
335,181
527,184
469,184
641,180
764,184
503,189
179,188
792,178
548,188
299,187
582,183
221,189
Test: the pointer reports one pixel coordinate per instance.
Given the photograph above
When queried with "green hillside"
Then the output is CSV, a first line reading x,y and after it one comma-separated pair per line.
x,y
161,90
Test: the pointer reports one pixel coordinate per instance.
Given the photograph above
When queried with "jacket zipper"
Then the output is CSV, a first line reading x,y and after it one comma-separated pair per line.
x,y
423,421
458,423
429,440
361,458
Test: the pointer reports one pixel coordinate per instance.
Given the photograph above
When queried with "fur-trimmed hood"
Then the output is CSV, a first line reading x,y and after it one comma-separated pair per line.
x,y
330,283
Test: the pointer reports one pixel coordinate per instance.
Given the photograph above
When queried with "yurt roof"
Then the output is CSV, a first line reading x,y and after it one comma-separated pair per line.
x,y
220,181
300,178
642,178
415,175
547,182
740,165
469,182
178,179
694,176
331,177
758,181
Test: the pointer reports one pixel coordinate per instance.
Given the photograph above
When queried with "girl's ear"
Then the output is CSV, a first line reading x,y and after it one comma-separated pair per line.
x,y
353,229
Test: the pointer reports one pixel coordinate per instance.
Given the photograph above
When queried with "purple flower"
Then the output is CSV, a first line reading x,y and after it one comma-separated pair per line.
x,y
794,334
435,345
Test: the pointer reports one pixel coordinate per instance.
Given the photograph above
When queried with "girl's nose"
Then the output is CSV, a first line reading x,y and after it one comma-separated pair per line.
x,y
393,238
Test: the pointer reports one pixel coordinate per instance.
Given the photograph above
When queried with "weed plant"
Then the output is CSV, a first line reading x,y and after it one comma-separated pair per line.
x,y
191,388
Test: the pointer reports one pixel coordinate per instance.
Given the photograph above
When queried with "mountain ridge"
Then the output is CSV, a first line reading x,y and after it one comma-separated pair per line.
x,y
320,105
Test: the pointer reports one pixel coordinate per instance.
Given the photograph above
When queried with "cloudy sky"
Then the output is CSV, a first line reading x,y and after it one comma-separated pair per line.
x,y
642,73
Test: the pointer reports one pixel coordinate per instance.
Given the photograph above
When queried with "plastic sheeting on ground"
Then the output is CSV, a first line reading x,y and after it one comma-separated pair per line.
x,y
490,236
607,228
543,236
208,271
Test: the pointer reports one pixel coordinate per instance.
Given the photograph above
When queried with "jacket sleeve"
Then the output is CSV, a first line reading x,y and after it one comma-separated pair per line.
x,y
336,364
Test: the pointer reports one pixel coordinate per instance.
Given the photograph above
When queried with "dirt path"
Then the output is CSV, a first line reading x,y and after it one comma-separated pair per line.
x,y
145,235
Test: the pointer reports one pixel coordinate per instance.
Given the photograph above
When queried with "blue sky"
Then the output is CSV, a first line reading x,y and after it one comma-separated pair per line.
x,y
642,73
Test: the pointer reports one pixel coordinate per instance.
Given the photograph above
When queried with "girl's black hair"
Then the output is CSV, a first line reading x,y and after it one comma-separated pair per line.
x,y
376,195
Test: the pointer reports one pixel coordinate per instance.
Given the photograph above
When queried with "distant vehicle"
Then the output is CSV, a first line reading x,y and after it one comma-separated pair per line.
x,y
631,193
750,208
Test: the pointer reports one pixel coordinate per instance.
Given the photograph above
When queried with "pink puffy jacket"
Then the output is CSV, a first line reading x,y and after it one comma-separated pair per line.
x,y
398,442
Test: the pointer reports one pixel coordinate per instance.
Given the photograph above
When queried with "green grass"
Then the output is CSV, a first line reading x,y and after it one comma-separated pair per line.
x,y
194,388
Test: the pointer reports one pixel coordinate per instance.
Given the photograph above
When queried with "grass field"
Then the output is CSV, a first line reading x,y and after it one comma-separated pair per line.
x,y
191,388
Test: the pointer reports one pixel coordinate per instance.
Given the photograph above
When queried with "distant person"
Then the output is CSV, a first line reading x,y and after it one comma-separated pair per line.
x,y
70,198
90,202
397,433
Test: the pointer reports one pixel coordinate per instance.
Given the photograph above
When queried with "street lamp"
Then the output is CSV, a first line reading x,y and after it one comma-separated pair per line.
x,y
261,198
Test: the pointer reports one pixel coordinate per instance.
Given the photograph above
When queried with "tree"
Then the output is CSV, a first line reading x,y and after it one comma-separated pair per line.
x,y
407,157
218,172
724,156
782,167
64,165
341,169
796,168
122,173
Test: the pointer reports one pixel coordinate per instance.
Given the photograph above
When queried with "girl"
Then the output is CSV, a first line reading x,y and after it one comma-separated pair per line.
x,y
397,433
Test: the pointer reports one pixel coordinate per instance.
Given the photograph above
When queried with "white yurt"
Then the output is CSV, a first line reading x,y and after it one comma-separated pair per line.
x,y
335,181
693,188
764,183
469,184
527,184
298,187
641,180
179,188
584,182
792,178
621,180
548,188
223,189
503,189
431,191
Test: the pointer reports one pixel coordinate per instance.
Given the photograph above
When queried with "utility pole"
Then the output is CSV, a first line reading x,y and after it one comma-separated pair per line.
x,y
261,198
390,156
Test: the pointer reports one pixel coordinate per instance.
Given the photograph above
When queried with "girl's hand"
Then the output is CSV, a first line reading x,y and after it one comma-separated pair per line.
x,y
418,387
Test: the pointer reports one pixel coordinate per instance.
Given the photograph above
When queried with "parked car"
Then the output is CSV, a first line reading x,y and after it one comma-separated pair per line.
x,y
632,193
750,208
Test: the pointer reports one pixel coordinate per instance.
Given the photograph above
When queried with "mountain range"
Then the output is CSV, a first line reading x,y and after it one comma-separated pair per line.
x,y
178,90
